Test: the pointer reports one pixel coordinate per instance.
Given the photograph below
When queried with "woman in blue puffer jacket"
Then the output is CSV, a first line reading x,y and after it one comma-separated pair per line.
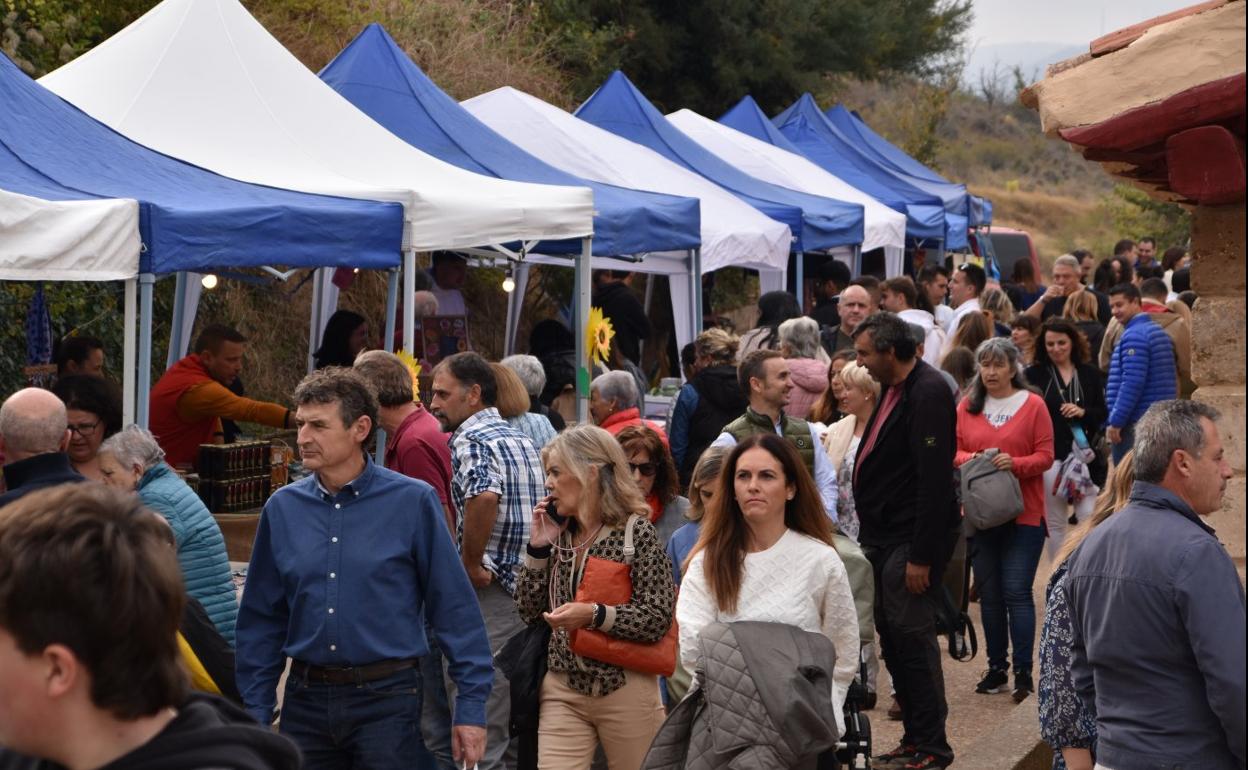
x,y
132,460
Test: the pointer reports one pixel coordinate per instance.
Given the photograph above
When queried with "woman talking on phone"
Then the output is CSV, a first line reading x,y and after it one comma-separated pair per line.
x,y
579,542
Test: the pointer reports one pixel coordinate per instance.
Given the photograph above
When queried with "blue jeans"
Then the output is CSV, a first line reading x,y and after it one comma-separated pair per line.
x,y
436,710
1005,560
367,726
1122,447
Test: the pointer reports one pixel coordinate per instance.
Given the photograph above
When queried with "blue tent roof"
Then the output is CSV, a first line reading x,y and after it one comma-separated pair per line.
x,y
822,142
816,222
852,124
189,218
375,75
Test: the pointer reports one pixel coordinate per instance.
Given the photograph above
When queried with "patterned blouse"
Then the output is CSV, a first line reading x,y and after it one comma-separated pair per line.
x,y
645,618
846,512
1065,721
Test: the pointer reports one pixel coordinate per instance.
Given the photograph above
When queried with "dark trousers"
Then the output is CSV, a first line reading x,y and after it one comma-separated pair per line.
x,y
1119,450
366,726
906,624
1005,560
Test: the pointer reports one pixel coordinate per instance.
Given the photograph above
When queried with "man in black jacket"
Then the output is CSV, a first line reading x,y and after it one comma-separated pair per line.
x,y
903,490
34,432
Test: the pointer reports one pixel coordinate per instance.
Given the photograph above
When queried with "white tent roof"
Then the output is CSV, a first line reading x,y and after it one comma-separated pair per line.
x,y
87,240
884,227
203,81
734,234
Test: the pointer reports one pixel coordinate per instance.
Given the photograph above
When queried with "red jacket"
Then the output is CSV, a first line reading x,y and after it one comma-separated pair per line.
x,y
1027,438
628,417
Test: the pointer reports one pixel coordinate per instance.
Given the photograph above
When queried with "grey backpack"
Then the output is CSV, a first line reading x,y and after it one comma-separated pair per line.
x,y
990,497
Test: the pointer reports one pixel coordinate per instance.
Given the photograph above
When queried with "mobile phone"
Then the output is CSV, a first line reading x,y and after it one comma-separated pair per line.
x,y
554,514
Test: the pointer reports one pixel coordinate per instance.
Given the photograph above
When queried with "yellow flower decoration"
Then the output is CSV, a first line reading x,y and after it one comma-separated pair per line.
x,y
598,336
413,366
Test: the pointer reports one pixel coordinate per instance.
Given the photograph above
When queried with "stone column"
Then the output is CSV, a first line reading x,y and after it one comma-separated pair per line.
x,y
1218,339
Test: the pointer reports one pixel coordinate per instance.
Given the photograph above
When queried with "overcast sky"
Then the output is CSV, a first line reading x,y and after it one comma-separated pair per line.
x,y
1060,21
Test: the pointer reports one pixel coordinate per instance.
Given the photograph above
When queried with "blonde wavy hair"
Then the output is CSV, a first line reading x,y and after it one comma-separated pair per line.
x,y
580,448
855,375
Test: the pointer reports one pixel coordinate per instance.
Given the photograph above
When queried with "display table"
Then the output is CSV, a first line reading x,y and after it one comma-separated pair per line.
x,y
239,531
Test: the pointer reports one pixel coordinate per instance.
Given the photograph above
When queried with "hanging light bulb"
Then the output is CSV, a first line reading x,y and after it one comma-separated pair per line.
x,y
208,281
509,283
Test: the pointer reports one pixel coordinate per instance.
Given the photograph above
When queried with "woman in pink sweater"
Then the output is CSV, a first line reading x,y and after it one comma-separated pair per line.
x,y
1001,412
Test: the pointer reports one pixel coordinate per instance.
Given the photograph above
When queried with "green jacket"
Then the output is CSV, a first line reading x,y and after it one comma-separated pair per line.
x,y
795,429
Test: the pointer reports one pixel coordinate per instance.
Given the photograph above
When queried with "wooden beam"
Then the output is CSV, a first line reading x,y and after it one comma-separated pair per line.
x,y
1213,102
1206,164
1142,157
1127,35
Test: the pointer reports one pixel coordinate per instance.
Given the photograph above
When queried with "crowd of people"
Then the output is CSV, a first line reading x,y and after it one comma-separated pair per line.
x,y
507,591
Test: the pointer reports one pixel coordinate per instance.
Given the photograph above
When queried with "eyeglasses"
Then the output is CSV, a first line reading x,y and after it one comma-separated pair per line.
x,y
645,469
83,428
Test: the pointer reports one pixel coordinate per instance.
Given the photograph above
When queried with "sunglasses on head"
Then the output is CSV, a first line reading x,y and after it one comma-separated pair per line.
x,y
645,469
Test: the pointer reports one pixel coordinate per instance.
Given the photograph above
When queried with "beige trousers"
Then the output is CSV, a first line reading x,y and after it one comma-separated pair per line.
x,y
572,724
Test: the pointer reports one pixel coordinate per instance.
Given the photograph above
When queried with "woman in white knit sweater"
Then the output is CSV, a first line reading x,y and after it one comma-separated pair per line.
x,y
765,553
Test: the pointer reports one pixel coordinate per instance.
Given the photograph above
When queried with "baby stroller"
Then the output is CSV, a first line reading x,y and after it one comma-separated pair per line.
x,y
853,750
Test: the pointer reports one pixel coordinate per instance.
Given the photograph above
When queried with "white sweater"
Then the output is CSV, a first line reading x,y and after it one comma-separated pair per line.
x,y
798,581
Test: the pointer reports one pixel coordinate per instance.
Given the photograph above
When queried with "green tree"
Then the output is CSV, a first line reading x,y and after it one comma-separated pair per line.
x,y
705,54
41,35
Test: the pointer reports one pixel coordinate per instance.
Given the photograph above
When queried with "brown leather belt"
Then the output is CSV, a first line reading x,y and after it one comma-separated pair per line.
x,y
349,674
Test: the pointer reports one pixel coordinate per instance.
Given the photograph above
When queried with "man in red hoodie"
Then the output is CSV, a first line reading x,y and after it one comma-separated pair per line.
x,y
191,398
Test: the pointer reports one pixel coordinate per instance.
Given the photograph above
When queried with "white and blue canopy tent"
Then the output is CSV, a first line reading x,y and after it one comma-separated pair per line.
x,y
188,218
203,81
733,233
379,78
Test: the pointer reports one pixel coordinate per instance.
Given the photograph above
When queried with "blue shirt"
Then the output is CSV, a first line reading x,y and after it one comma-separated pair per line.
x,y
349,579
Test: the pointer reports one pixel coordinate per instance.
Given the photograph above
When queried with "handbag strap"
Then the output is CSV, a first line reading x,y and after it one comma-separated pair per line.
x,y
629,549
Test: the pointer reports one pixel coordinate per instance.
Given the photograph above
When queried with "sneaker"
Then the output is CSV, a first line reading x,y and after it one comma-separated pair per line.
x,y
993,682
1022,686
924,761
895,758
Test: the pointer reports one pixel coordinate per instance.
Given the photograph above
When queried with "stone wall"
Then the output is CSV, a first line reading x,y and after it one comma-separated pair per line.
x,y
1218,340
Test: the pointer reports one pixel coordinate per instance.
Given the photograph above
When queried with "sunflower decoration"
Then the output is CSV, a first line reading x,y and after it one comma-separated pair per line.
x,y
598,335
413,366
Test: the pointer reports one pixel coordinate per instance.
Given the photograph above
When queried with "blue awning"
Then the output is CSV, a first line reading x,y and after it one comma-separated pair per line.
x,y
189,218
816,222
375,75
892,156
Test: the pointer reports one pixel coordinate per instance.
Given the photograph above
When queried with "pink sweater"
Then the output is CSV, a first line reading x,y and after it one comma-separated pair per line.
x,y
1027,438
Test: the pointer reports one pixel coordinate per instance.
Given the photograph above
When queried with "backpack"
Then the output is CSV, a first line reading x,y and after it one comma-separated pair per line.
x,y
990,496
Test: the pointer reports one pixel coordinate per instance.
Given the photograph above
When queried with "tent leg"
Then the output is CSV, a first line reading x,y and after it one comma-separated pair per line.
x,y
176,332
580,320
695,282
801,278
646,304
857,260
314,322
129,322
147,283
392,301
409,306
515,304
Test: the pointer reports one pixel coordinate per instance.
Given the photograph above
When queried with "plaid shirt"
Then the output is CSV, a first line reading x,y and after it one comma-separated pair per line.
x,y
488,455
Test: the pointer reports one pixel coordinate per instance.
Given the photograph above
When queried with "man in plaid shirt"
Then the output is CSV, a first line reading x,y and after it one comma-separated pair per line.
x,y
497,479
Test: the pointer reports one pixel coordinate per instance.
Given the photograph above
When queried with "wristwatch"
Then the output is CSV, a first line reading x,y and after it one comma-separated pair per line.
x,y
600,616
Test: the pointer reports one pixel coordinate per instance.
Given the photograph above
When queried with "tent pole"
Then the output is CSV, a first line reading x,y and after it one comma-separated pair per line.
x,y
801,278
580,320
858,260
147,283
314,322
129,322
515,305
409,305
176,332
387,343
649,300
695,267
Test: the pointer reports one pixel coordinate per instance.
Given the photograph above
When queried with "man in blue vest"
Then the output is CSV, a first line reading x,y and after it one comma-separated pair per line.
x,y
764,378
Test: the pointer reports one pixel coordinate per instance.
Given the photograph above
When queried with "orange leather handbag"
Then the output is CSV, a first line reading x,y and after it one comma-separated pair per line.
x,y
610,582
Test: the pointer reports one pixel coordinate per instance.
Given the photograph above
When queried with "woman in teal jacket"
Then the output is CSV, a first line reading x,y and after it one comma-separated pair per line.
x,y
132,460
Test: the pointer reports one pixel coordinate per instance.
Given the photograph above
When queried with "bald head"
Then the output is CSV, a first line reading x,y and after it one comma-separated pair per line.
x,y
32,422
854,307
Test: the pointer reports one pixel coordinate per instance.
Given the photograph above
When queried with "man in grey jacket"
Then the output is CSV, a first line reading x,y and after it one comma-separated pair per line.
x,y
1158,609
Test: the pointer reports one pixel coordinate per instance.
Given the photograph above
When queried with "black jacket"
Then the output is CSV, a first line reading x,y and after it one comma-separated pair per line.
x,y
33,473
628,318
827,311
720,401
210,647
904,489
207,734
1092,387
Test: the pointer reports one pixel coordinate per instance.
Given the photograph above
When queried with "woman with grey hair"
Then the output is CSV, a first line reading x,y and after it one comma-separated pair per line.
x,y
529,369
1003,413
799,342
132,460
615,404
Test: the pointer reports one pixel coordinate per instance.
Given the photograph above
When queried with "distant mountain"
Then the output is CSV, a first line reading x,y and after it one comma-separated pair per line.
x,y
1031,57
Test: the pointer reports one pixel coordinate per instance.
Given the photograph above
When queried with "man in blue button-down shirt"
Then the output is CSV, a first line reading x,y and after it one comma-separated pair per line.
x,y
347,566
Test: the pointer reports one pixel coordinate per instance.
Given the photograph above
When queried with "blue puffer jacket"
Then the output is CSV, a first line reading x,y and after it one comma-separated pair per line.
x,y
1141,371
201,548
